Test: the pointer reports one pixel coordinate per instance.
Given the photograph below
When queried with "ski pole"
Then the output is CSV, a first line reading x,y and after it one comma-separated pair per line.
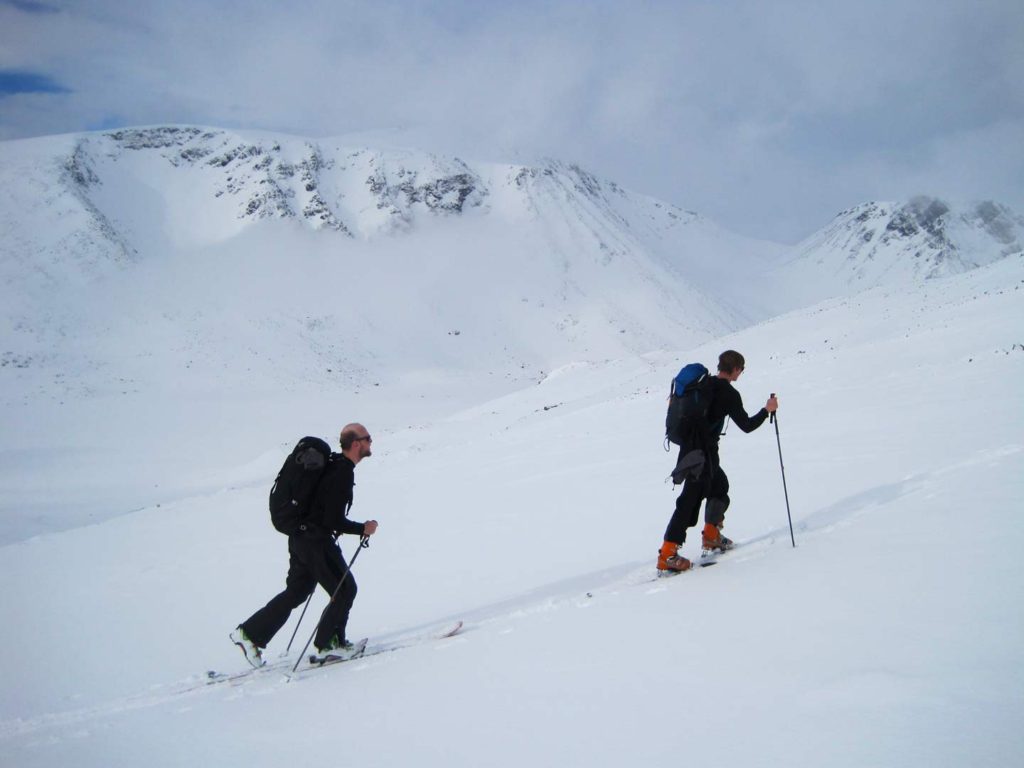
x,y
783,468
301,617
364,542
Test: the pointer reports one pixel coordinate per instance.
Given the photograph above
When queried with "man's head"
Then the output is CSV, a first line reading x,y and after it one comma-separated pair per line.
x,y
356,442
731,364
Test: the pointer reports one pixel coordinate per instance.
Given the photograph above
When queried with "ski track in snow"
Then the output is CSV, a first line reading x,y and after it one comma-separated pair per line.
x,y
578,592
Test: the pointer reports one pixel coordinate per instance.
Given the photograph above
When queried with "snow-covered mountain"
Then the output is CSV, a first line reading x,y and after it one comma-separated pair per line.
x,y
140,264
179,305
542,265
898,244
601,270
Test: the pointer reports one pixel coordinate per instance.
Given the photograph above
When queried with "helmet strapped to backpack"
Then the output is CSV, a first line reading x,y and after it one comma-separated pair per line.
x,y
293,490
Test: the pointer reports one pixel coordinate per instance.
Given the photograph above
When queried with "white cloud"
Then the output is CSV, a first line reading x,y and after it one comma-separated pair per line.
x,y
768,118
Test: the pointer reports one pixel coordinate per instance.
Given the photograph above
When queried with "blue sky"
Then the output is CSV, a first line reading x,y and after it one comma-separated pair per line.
x,y
12,82
768,117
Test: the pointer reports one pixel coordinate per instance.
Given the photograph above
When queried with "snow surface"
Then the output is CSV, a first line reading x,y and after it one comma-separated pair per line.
x,y
519,479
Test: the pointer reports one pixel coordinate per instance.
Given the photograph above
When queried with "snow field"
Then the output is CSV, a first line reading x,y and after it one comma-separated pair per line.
x,y
889,636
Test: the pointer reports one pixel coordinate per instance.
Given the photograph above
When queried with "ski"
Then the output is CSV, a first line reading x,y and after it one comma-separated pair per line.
x,y
453,630
357,650
389,647
710,556
213,677
702,563
377,650
284,665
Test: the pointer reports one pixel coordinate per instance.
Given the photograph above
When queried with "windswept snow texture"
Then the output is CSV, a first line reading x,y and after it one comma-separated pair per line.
x,y
181,304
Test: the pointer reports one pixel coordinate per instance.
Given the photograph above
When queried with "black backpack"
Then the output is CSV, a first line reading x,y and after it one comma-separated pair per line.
x,y
686,422
292,494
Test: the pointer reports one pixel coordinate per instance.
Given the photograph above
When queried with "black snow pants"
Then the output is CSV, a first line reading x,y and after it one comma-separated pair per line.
x,y
312,559
712,484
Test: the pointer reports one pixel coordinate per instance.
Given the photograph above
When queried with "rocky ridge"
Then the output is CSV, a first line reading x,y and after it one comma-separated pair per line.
x,y
923,238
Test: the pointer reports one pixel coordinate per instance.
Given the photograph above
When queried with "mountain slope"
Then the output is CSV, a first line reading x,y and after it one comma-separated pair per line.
x,y
166,341
889,636
898,244
179,205
147,269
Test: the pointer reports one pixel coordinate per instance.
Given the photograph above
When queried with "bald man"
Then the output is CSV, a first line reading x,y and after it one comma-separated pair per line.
x,y
315,558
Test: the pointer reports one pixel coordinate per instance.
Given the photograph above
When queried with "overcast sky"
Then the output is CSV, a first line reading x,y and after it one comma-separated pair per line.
x,y
769,117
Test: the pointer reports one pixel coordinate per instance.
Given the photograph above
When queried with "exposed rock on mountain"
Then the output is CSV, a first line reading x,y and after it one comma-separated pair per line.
x,y
892,243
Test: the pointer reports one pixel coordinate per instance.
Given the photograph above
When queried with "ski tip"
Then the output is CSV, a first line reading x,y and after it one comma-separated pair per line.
x,y
452,630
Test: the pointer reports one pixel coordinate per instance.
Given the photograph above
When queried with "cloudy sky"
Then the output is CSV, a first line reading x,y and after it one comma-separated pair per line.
x,y
769,117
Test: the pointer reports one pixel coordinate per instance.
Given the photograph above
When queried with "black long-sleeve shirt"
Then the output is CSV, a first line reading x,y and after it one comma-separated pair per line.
x,y
333,498
726,401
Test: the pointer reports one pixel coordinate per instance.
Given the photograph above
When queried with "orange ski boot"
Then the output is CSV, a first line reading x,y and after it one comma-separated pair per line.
x,y
712,540
669,561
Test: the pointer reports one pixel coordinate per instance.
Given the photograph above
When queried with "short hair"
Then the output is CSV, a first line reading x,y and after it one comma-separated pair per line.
x,y
349,433
730,360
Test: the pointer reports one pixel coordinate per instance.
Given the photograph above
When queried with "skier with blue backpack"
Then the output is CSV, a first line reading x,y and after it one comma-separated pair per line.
x,y
699,404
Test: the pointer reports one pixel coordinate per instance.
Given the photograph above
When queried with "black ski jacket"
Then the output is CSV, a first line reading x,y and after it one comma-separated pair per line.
x,y
726,401
333,498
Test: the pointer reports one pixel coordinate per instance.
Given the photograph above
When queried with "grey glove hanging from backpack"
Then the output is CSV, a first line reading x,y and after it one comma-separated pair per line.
x,y
690,464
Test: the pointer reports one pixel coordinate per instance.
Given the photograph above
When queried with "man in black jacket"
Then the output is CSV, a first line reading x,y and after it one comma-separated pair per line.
x,y
711,481
315,558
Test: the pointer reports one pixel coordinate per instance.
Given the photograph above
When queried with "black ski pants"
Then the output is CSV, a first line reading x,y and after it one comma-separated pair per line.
x,y
312,559
712,484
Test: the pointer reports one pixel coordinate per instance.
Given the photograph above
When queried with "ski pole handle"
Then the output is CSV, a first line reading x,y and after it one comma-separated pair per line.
x,y
771,416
